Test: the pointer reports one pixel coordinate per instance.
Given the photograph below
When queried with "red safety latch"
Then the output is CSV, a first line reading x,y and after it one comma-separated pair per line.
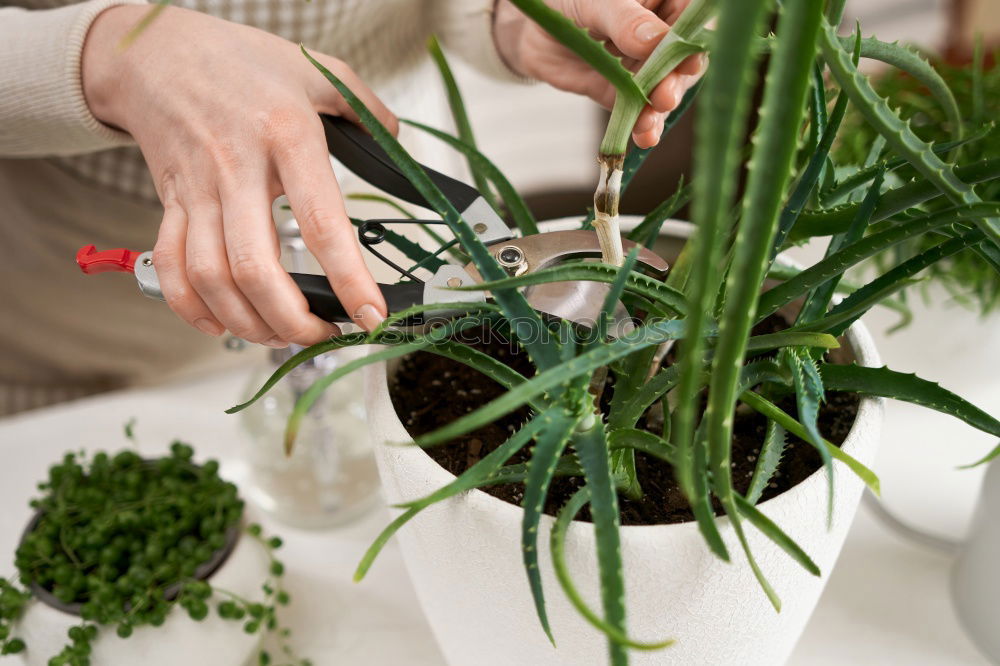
x,y
119,260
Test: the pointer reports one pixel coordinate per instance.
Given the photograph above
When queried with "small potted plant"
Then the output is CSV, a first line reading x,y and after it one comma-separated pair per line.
x,y
129,561
737,417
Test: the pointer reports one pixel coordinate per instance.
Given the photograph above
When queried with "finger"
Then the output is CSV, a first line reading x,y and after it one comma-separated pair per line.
x,y
326,98
312,190
634,29
667,94
648,128
209,273
252,250
169,260
692,65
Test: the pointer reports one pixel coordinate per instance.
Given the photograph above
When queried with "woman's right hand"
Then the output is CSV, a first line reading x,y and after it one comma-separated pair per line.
x,y
226,118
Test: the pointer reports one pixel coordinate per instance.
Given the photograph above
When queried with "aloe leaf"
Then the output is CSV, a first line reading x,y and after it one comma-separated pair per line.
x,y
819,298
415,310
771,530
810,177
460,116
549,446
756,372
306,401
888,383
518,209
718,147
477,475
623,462
857,304
558,548
641,440
586,363
404,345
840,261
647,231
525,320
909,61
591,449
814,170
837,219
647,287
809,393
768,461
898,133
790,338
763,406
582,44
615,293
846,287
634,403
349,340
769,172
864,175
499,372
678,44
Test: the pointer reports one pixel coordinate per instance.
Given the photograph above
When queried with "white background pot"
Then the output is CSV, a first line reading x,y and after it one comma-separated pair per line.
x,y
180,641
464,558
927,449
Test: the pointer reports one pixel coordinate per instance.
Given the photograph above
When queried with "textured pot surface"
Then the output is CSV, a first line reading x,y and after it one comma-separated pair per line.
x,y
179,641
464,558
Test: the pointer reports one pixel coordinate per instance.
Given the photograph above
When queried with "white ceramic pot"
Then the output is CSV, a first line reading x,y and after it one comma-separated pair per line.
x,y
464,558
178,641
975,581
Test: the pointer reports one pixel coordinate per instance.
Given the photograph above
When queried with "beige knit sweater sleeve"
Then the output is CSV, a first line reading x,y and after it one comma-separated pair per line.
x,y
43,111
42,107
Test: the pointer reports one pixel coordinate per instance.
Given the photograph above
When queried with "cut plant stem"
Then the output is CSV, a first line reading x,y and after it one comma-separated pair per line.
x,y
675,46
606,199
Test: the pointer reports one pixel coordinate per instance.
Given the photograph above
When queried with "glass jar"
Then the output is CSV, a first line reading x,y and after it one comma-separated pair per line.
x,y
330,476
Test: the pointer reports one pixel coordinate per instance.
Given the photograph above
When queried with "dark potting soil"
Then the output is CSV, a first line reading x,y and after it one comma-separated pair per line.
x,y
429,391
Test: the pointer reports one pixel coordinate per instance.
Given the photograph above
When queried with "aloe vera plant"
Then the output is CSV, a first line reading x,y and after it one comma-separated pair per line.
x,y
715,293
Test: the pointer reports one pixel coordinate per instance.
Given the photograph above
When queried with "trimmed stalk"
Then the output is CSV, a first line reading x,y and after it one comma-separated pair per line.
x,y
669,53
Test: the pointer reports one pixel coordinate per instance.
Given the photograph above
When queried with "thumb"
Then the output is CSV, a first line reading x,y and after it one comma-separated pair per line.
x,y
632,28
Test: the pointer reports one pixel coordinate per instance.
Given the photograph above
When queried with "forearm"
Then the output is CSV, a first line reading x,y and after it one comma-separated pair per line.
x,y
43,110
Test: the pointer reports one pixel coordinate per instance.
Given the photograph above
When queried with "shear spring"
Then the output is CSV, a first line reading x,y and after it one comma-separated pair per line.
x,y
373,232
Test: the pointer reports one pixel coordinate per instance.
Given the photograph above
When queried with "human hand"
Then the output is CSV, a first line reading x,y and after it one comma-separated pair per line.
x,y
631,29
227,119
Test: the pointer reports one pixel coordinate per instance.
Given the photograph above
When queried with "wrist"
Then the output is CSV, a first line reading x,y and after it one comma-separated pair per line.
x,y
103,62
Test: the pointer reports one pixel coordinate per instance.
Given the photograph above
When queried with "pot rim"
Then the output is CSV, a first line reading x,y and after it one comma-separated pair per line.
x,y
203,571
869,408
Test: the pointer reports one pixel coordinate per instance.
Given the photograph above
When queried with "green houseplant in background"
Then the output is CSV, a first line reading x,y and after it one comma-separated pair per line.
x,y
676,404
130,560
976,89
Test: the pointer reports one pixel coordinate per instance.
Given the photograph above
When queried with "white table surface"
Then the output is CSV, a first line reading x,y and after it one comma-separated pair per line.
x,y
886,602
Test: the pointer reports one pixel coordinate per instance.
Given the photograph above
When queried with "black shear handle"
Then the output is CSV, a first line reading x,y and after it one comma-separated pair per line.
x,y
324,303
358,151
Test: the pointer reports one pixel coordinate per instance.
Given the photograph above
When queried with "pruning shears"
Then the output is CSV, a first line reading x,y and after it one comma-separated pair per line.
x,y
577,301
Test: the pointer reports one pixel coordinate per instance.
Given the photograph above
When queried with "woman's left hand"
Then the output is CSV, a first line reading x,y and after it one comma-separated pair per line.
x,y
631,29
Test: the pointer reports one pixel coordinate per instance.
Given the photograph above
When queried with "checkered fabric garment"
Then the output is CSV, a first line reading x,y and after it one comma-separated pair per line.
x,y
382,40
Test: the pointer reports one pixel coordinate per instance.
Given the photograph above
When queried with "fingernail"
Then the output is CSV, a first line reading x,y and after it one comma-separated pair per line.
x,y
368,317
275,342
648,31
208,326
